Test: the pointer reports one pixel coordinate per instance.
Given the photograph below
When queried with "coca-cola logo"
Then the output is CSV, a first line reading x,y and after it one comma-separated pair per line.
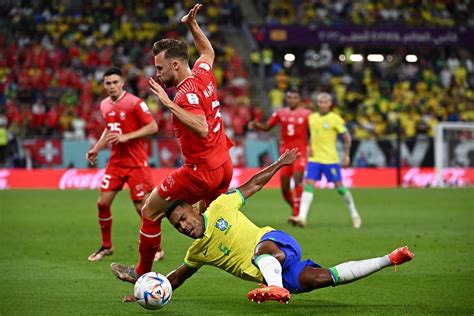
x,y
416,177
3,179
77,179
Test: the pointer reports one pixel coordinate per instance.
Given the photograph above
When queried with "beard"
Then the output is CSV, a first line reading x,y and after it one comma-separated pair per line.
x,y
168,83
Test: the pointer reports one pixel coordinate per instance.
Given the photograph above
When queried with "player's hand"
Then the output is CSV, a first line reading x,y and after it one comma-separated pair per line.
x,y
252,125
91,157
158,90
346,161
289,156
115,138
191,16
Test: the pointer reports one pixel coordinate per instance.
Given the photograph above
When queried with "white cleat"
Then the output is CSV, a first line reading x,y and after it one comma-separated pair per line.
x,y
356,222
297,221
159,255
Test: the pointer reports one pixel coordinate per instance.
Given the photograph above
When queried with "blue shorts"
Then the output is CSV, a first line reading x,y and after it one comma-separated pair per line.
x,y
332,172
293,265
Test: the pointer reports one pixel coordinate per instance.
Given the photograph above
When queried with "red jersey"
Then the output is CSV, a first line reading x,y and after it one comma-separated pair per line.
x,y
293,128
129,113
197,94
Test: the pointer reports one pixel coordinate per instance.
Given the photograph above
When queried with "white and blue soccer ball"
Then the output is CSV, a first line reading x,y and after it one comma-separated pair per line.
x,y
152,290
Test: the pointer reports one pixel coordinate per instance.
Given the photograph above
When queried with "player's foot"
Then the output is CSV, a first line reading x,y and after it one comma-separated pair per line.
x,y
356,222
124,273
269,293
100,253
297,221
400,255
129,298
159,255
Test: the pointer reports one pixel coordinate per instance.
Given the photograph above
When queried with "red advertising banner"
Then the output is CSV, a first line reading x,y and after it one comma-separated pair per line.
x,y
359,178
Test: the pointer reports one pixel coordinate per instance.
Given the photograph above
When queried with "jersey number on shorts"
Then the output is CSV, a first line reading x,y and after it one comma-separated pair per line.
x,y
115,127
105,181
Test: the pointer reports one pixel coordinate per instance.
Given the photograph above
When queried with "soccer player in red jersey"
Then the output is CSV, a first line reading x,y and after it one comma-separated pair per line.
x,y
127,120
207,169
293,121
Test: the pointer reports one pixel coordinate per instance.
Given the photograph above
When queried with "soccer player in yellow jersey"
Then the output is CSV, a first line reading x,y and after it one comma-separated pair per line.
x,y
324,127
227,239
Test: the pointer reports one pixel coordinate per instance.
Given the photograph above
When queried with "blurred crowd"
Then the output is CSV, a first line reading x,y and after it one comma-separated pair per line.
x,y
55,57
417,13
374,97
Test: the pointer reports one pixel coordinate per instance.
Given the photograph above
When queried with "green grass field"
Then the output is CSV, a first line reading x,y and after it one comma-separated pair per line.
x,y
46,237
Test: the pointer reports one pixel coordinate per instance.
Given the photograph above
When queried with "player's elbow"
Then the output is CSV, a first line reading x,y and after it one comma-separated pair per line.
x,y
203,132
154,128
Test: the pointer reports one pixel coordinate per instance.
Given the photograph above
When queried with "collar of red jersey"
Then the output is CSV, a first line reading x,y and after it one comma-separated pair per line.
x,y
183,81
119,98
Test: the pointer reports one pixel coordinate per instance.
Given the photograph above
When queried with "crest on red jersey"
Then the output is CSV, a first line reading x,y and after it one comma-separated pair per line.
x,y
122,115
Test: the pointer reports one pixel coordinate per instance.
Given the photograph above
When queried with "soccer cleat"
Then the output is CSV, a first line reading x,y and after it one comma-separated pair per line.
x,y
159,255
400,255
356,222
124,273
100,253
269,293
297,221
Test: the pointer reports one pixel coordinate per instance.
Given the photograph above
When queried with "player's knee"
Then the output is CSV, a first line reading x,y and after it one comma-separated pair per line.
x,y
269,248
145,210
102,204
318,278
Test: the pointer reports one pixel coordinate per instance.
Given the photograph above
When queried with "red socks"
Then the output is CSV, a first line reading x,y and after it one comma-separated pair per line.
x,y
105,222
297,199
288,195
149,244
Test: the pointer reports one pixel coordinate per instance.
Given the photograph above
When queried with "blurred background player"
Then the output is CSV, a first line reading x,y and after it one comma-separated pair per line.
x,y
325,126
225,238
127,120
207,169
293,121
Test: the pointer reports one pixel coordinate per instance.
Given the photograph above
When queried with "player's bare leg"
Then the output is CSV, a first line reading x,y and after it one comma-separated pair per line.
x,y
312,278
105,221
349,201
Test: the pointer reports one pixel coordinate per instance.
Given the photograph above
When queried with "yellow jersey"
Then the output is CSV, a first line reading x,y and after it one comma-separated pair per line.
x,y
324,130
229,239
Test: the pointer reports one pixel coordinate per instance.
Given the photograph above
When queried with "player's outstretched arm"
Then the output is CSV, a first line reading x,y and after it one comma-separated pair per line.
x,y
203,45
260,126
257,182
178,276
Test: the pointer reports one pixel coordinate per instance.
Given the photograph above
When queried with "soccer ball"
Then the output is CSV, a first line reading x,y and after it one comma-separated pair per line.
x,y
152,290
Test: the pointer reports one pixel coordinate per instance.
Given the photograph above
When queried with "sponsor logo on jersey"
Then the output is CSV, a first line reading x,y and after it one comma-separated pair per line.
x,y
192,98
326,125
204,66
144,107
111,113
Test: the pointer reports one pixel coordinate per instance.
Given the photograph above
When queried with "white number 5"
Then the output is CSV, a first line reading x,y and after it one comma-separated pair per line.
x,y
106,181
